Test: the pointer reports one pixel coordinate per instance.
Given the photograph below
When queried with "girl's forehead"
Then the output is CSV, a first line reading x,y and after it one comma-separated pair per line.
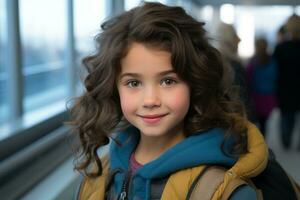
x,y
142,48
143,59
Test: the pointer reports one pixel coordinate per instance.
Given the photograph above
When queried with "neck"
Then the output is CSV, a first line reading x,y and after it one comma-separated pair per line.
x,y
150,148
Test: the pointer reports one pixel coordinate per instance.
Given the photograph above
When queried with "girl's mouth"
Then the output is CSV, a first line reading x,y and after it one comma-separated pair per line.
x,y
152,119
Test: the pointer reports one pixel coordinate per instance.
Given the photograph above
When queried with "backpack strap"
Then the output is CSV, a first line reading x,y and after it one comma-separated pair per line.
x,y
157,188
205,184
237,182
232,186
178,183
208,182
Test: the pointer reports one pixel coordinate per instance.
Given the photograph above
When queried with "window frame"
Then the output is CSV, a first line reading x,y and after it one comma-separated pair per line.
x,y
15,80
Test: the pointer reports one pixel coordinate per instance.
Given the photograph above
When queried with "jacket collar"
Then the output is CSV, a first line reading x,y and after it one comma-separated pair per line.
x,y
255,161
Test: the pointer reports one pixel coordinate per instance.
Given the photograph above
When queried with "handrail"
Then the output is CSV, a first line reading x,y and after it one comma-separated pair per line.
x,y
25,169
29,153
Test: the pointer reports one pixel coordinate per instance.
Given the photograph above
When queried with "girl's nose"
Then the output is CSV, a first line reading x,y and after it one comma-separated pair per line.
x,y
151,98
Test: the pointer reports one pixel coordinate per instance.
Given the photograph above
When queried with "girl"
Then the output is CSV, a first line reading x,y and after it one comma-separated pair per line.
x,y
157,92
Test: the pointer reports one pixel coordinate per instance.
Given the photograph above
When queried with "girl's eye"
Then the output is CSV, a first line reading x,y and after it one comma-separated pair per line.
x,y
167,82
132,84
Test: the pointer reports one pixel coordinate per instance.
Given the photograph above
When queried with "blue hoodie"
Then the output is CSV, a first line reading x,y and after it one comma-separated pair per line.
x,y
199,149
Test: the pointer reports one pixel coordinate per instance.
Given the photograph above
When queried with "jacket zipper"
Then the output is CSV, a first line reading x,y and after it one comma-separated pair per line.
x,y
124,192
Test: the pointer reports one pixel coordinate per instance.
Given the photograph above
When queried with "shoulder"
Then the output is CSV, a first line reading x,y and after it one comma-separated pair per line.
x,y
93,188
244,192
211,184
180,183
235,188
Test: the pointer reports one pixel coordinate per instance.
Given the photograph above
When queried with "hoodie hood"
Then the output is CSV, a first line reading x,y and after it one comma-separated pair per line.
x,y
198,149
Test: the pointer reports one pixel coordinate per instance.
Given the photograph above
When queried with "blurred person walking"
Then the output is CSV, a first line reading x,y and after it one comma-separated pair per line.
x,y
227,44
261,79
287,56
281,35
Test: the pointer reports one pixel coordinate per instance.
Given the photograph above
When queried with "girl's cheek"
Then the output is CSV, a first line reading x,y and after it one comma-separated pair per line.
x,y
127,103
181,106
180,99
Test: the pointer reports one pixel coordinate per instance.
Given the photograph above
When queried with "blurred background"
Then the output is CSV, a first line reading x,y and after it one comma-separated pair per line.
x,y
42,43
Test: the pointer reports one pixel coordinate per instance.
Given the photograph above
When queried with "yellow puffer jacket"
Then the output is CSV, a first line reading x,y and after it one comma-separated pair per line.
x,y
177,186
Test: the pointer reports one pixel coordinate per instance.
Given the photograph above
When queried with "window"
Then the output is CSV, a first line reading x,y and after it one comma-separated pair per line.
x,y
44,60
88,16
3,72
297,10
43,28
131,4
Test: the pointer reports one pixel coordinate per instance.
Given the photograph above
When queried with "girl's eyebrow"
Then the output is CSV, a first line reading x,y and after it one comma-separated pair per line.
x,y
163,73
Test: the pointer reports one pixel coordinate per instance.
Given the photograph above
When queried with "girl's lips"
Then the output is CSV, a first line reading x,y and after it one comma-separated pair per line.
x,y
152,119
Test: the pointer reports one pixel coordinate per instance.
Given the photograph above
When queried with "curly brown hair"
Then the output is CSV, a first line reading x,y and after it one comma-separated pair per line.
x,y
97,113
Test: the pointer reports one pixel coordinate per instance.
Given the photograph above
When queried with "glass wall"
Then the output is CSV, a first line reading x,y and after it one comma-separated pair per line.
x,y
3,72
43,27
88,16
128,4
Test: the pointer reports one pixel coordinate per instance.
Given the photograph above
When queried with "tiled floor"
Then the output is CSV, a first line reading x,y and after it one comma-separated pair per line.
x,y
290,160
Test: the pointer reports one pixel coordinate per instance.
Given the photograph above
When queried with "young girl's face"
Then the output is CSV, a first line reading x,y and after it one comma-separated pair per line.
x,y
153,98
